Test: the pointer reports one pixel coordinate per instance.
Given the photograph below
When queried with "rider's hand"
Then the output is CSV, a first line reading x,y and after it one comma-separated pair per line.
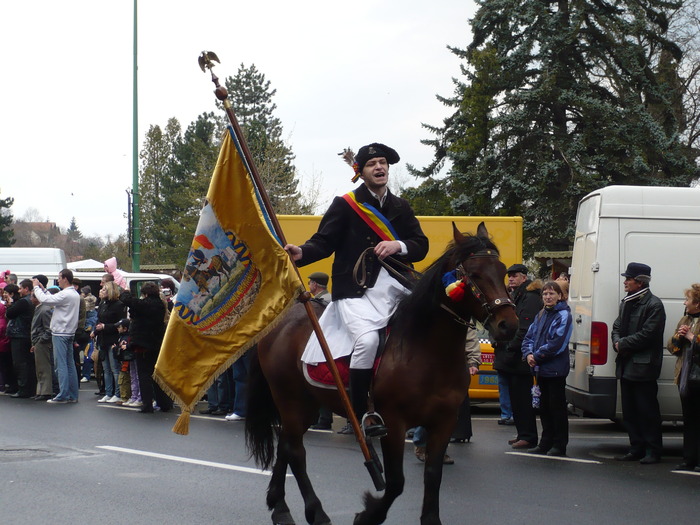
x,y
387,248
293,251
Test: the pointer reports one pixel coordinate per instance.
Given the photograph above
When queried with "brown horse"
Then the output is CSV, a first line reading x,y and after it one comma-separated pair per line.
x,y
421,380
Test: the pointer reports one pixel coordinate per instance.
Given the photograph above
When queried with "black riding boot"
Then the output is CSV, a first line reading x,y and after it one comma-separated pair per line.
x,y
360,380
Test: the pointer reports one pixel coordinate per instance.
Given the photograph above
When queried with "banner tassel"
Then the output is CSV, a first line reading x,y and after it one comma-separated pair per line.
x,y
182,425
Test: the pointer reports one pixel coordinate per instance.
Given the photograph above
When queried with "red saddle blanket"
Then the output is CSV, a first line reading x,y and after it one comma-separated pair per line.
x,y
321,374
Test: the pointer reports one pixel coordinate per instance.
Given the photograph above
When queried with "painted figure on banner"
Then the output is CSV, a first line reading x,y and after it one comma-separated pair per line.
x,y
220,281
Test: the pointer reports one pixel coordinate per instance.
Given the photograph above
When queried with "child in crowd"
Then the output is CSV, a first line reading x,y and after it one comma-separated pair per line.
x,y
124,380
90,322
128,368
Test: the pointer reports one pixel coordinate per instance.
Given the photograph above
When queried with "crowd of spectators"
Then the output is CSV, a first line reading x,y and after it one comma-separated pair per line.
x,y
55,338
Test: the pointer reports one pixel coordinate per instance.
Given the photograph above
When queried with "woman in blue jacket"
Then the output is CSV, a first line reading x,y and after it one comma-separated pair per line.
x,y
546,350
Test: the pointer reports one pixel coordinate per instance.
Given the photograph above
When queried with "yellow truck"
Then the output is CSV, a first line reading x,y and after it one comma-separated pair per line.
x,y
507,234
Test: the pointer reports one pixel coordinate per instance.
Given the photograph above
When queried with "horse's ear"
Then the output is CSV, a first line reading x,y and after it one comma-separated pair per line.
x,y
456,234
481,231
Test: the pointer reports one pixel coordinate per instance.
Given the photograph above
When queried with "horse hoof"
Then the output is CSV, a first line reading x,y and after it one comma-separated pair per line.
x,y
361,518
283,519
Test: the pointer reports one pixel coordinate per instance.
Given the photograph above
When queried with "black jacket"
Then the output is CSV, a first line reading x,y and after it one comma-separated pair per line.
x,y
147,321
19,316
344,233
641,340
508,357
109,313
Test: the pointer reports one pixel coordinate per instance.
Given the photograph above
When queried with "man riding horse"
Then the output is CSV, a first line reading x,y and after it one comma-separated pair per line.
x,y
370,217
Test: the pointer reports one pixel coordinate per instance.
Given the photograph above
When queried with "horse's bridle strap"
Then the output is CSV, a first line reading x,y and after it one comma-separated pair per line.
x,y
469,283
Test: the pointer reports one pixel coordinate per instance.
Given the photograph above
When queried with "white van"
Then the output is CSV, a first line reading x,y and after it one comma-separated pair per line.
x,y
27,260
617,225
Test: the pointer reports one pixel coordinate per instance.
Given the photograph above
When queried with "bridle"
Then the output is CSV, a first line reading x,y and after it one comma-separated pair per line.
x,y
360,275
469,284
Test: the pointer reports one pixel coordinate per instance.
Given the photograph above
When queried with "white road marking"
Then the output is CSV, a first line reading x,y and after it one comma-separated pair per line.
x,y
558,458
186,460
688,472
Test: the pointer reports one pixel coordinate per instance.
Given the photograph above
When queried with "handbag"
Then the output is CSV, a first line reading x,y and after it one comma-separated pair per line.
x,y
690,371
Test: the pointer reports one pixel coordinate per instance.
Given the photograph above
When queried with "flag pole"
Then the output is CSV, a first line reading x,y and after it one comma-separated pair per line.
x,y
206,60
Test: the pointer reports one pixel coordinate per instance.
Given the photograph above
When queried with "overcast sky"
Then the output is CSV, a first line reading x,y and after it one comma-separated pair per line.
x,y
346,74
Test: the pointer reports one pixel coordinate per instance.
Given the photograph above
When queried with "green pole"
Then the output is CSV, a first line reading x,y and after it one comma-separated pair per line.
x,y
136,221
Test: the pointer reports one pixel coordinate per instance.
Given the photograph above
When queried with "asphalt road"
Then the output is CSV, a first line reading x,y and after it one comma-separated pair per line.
x,y
92,464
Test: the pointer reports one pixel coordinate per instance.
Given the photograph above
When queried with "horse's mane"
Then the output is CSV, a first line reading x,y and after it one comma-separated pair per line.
x,y
417,310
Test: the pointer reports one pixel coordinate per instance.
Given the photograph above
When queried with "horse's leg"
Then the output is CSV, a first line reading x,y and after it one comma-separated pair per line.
x,y
276,492
438,439
376,509
292,441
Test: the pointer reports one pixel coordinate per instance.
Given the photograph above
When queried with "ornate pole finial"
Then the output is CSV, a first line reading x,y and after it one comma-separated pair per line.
x,y
206,61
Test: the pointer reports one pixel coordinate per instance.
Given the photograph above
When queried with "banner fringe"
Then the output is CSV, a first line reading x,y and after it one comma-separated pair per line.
x,y
182,425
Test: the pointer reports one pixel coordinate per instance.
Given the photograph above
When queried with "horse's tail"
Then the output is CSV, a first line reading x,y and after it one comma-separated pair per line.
x,y
262,418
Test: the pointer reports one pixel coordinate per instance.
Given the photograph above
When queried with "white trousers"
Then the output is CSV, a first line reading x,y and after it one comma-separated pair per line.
x,y
350,325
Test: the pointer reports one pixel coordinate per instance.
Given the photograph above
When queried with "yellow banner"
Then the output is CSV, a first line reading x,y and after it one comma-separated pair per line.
x,y
237,281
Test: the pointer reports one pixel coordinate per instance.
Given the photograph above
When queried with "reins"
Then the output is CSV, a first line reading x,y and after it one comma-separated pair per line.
x,y
360,271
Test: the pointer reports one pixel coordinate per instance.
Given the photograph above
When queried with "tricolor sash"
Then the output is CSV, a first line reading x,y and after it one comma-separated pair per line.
x,y
372,217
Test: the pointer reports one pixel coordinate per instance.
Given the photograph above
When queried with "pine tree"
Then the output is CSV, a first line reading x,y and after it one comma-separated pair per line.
x,y
157,159
73,232
7,235
184,186
251,97
560,98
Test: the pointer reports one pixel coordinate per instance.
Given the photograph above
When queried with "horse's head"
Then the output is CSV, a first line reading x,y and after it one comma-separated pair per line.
x,y
475,283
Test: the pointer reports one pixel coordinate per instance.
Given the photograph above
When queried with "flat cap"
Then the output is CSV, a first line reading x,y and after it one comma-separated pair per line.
x,y
517,268
319,277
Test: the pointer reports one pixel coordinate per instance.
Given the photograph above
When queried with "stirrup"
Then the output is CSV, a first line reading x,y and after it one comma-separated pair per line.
x,y
374,430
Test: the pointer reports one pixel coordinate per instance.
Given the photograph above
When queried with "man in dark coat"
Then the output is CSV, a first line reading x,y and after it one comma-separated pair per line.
x,y
638,339
369,217
508,357
318,286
